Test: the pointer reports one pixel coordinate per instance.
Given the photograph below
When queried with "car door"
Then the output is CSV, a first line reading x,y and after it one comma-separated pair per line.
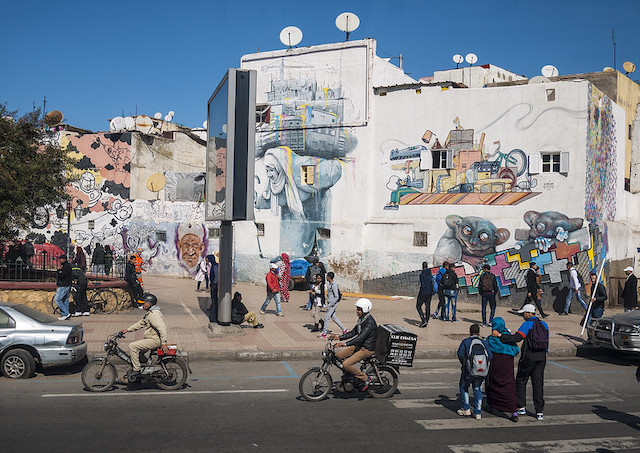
x,y
7,329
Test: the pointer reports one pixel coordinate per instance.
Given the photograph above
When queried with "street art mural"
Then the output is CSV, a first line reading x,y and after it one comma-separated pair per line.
x,y
301,153
460,171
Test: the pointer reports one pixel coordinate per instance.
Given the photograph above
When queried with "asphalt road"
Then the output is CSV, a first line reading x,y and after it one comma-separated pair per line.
x,y
592,405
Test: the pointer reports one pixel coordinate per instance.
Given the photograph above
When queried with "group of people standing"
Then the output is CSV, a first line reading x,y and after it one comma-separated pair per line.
x,y
102,258
445,285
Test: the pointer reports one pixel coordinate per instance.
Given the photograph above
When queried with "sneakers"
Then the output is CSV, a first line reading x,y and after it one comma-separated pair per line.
x,y
322,335
539,416
86,313
315,328
345,331
424,324
262,312
258,326
514,417
478,416
521,411
563,314
78,313
64,318
280,314
464,412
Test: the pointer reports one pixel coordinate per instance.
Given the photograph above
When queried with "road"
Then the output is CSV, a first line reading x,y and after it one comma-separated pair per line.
x,y
255,406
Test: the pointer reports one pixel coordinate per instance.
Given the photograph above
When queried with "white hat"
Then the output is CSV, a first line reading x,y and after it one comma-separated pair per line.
x,y
273,266
528,308
628,268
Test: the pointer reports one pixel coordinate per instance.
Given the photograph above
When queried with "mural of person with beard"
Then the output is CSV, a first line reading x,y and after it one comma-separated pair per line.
x,y
190,245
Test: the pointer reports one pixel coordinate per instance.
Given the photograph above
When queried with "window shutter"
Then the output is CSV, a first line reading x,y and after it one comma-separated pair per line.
x,y
535,163
449,158
426,160
564,162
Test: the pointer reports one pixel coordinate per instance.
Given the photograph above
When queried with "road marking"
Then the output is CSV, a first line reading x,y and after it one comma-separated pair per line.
x,y
469,422
188,310
552,399
582,372
451,384
552,446
292,374
433,371
188,392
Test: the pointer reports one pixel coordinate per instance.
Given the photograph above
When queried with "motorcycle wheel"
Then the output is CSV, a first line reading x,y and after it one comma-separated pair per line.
x,y
315,384
177,376
389,383
97,379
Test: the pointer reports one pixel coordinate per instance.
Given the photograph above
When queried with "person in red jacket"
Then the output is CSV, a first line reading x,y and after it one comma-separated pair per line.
x,y
273,290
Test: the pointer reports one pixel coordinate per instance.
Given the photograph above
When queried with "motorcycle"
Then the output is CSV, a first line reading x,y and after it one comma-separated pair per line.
x,y
316,383
168,370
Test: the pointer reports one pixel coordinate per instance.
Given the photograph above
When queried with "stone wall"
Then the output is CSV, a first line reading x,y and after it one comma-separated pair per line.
x,y
41,299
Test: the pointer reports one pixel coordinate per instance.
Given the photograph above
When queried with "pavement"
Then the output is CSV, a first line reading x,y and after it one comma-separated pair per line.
x,y
185,312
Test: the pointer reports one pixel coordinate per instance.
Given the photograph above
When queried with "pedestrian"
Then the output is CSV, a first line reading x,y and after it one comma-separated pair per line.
x,y
323,274
204,267
79,292
424,294
534,290
213,287
500,385
29,251
533,359
449,283
598,298
439,313
97,259
316,293
80,259
630,292
240,313
63,282
138,263
574,289
488,288
273,290
131,278
333,297
108,259
310,276
284,276
474,356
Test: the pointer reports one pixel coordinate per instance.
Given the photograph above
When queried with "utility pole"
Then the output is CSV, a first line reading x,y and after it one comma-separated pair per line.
x,y
613,38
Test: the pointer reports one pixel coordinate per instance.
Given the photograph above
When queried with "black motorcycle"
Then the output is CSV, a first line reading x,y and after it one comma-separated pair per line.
x,y
168,370
316,383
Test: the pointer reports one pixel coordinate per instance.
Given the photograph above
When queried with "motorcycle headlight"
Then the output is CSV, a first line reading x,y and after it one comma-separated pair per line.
x,y
106,346
324,354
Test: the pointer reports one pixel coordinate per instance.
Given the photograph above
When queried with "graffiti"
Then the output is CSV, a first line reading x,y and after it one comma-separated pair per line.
x,y
190,244
461,171
550,226
600,183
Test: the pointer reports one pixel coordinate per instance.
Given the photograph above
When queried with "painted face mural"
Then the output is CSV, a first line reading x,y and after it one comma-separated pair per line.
x,y
550,226
190,245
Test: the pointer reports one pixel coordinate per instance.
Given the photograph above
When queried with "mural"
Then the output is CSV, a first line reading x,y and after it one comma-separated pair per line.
x,y
462,171
301,152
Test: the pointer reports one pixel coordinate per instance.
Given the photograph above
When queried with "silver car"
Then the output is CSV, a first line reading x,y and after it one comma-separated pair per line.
x,y
28,336
620,332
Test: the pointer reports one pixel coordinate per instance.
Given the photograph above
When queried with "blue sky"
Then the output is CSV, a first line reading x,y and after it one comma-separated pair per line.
x,y
94,60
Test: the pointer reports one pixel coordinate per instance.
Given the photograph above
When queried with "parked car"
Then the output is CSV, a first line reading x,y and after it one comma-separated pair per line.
x,y
28,336
620,332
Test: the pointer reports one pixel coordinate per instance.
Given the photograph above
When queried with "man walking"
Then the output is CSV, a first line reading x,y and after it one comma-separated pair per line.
x,y
533,358
63,282
333,297
439,313
449,283
630,292
574,289
534,291
273,290
310,276
424,295
488,288
474,355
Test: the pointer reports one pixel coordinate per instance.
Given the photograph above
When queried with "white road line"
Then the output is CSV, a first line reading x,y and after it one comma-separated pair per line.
x,y
454,384
188,392
434,371
552,399
552,446
469,422
188,310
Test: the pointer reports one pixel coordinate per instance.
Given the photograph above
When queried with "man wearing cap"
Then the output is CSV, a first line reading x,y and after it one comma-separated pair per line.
x,y
63,282
630,292
190,244
533,358
273,290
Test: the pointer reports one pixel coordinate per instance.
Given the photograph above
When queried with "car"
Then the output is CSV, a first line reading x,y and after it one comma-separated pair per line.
x,y
299,273
620,332
29,337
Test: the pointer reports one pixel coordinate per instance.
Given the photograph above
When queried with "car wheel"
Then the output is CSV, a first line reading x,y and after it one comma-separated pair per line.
x,y
18,364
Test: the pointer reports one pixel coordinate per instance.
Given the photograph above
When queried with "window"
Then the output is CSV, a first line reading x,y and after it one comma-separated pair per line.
x,y
442,158
323,233
6,321
92,224
263,113
184,186
551,163
307,174
420,238
214,233
161,236
551,94
169,134
260,227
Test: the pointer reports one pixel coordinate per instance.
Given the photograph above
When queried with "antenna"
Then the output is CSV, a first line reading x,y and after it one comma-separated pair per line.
x,y
613,39
290,36
457,59
471,58
629,67
347,22
549,70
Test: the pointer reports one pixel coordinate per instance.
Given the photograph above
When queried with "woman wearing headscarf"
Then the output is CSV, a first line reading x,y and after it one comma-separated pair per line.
x,y
284,276
500,385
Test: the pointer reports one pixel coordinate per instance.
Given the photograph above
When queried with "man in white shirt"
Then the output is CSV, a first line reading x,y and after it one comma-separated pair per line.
x,y
574,289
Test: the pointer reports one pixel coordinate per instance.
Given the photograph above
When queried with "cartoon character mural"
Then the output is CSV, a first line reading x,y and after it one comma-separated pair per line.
x,y
550,226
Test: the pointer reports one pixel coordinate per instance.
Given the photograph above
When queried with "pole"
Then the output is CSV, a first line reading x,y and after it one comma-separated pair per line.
x,y
586,317
225,269
69,229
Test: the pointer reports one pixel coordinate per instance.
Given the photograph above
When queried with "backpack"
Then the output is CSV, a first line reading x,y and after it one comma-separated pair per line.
x,y
486,283
538,337
448,281
477,359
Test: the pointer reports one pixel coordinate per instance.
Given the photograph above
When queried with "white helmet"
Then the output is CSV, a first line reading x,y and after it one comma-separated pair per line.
x,y
364,304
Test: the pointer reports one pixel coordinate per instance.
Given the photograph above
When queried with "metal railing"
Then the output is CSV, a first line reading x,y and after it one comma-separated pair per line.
x,y
43,267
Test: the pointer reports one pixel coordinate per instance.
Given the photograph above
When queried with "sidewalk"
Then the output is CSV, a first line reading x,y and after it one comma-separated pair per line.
x,y
287,338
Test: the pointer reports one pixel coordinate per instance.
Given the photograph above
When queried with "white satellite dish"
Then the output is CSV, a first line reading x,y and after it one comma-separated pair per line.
x,y
549,70
471,58
117,124
607,69
144,123
172,113
158,115
538,79
129,123
457,59
290,36
168,118
347,22
205,124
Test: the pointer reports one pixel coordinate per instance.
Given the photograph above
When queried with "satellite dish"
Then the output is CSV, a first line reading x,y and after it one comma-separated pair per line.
x,y
156,182
129,123
144,123
290,36
629,67
205,124
168,118
347,22
158,115
172,113
55,117
607,69
471,58
538,79
117,124
457,59
549,70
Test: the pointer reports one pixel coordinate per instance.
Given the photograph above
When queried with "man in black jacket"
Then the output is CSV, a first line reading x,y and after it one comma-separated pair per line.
x,y
598,297
79,292
424,295
131,277
630,292
362,341
240,314
63,283
488,288
534,291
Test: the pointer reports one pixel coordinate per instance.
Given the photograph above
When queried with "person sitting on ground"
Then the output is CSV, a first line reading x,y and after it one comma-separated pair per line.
x,y
240,314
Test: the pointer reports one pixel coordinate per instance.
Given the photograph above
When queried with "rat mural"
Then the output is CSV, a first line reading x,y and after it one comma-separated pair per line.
x,y
550,226
469,239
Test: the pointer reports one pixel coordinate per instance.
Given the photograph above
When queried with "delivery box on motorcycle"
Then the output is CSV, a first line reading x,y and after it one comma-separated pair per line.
x,y
395,345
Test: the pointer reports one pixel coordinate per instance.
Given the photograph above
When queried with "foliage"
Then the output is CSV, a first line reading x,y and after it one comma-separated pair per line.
x,y
33,170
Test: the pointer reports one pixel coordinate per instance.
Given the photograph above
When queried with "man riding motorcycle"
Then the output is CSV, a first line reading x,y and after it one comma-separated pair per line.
x,y
155,333
361,341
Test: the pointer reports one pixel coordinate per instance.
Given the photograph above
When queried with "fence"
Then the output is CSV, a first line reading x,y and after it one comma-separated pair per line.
x,y
42,267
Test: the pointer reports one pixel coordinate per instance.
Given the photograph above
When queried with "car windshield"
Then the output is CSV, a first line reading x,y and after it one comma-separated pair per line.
x,y
34,314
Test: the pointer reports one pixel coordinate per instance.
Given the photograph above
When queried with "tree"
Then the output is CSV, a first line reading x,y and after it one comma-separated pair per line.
x,y
33,170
